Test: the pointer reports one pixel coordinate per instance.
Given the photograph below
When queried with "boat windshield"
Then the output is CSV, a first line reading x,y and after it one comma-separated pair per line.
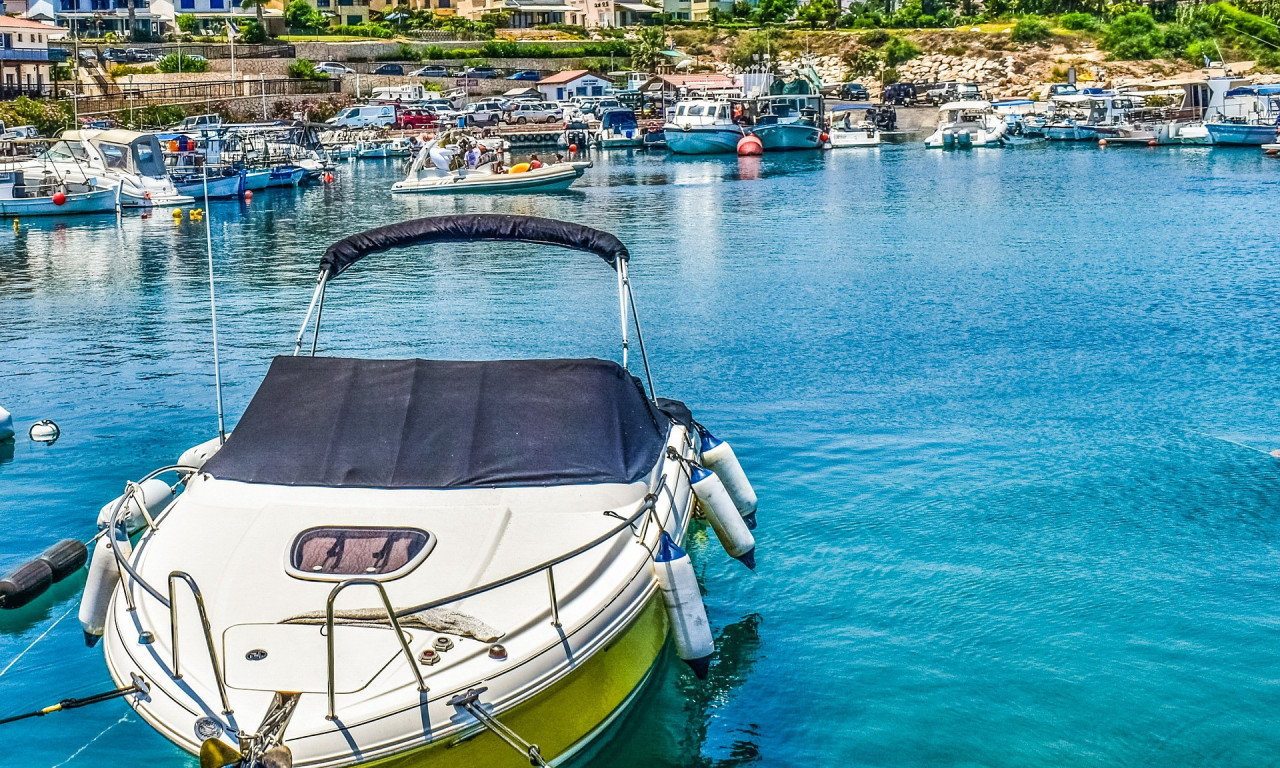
x,y
65,151
115,156
147,158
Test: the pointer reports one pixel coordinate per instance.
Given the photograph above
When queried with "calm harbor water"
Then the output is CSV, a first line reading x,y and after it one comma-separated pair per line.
x,y
988,401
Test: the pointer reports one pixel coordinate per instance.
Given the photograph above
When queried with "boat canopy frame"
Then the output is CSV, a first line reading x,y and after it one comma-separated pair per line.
x,y
480,227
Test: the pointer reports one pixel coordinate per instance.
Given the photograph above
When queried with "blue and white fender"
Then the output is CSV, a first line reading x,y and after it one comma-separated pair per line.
x,y
718,456
689,625
723,515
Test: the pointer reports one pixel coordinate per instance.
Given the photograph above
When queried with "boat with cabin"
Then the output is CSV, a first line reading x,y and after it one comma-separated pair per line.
x,y
1247,118
853,125
30,193
703,127
128,159
418,562
964,124
789,115
619,129
439,167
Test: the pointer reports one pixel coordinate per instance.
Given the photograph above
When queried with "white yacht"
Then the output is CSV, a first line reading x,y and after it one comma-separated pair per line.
x,y
963,124
442,563
851,125
128,159
703,127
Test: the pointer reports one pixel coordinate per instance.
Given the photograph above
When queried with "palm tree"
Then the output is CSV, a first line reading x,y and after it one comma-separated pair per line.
x,y
133,17
257,6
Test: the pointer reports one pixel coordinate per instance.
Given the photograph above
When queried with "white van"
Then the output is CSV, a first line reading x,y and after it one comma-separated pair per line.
x,y
380,115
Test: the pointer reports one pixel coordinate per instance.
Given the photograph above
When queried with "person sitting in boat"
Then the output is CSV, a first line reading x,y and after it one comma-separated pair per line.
x,y
497,163
473,156
559,158
534,162
848,121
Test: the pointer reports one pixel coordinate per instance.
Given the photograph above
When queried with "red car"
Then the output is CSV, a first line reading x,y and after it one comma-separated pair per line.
x,y
415,118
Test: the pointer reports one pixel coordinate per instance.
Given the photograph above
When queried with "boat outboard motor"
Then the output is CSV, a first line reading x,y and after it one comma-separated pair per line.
x,y
723,515
688,616
718,456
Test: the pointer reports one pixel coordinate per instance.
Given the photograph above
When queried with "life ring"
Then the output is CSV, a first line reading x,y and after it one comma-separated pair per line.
x,y
520,168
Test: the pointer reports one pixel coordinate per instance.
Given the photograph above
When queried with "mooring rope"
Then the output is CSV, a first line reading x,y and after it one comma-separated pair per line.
x,y
47,630
88,744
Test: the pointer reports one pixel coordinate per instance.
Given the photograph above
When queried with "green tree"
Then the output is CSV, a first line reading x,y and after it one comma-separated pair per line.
x,y
257,6
775,11
187,22
741,9
253,32
646,49
898,50
180,62
299,14
819,13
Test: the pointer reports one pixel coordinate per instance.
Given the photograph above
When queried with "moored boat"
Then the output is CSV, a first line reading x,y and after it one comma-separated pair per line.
x,y
407,601
128,159
702,127
435,169
853,125
964,124
23,194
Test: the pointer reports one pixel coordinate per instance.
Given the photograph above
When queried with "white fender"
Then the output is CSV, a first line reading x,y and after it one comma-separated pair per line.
x,y
689,625
197,455
723,516
155,495
718,456
6,424
100,586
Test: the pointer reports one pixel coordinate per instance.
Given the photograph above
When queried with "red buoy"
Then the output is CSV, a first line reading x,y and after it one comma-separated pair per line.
x,y
248,195
1152,143
825,138
750,146
573,148
59,198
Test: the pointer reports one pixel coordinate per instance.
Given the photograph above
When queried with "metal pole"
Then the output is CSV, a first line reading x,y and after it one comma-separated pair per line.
x,y
622,305
555,603
213,311
262,80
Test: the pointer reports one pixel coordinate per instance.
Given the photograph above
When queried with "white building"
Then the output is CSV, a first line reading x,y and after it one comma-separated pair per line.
x,y
575,82
25,63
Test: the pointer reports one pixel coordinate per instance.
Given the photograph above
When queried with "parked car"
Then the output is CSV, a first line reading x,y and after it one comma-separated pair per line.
x,y
195,57
488,112
139,55
531,75
198,123
532,112
901,94
334,69
952,91
88,55
853,92
19,132
431,70
389,69
482,73
415,117
114,55
596,105
380,115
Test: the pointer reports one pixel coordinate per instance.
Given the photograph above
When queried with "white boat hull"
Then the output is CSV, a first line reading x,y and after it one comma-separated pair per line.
x,y
97,201
547,178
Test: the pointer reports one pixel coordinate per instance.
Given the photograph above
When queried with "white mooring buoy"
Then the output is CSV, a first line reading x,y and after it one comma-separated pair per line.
x,y
689,625
6,425
44,431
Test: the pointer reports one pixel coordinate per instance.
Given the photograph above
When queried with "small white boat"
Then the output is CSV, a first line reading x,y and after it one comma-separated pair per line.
x,y
277,176
703,127
619,130
375,149
133,161
851,126
964,124
435,170
23,194
338,584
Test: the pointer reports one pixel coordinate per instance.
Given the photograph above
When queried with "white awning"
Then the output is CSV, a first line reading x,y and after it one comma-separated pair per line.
x,y
519,8
638,7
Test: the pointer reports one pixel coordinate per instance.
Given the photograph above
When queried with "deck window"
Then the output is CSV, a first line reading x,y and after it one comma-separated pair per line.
x,y
338,551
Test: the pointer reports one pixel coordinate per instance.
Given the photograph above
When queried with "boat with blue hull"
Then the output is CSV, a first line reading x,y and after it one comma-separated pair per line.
x,y
1242,134
279,176
703,127
227,183
1247,117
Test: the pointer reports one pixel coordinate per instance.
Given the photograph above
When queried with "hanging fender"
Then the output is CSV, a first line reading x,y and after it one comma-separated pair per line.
x,y
674,572
723,516
718,456
104,577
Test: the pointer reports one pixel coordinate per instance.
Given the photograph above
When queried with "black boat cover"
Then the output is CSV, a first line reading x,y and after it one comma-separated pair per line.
x,y
471,228
336,422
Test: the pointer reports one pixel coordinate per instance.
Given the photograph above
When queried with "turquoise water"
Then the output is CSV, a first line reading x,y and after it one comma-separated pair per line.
x,y
987,400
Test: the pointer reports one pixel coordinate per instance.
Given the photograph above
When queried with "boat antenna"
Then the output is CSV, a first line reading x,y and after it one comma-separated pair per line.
x,y
213,310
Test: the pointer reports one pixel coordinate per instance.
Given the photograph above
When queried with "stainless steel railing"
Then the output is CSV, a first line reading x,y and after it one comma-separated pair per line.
x,y
208,633
395,626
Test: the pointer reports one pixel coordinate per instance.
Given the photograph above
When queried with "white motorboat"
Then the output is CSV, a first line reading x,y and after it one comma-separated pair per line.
x,y
436,563
24,194
129,159
850,125
382,148
703,127
437,168
619,129
964,124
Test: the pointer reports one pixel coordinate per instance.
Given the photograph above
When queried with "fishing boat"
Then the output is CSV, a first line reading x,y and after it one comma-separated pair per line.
x,y
702,127
195,171
376,149
256,179
619,130
853,125
128,159
964,124
21,195
788,120
1247,118
437,168
418,562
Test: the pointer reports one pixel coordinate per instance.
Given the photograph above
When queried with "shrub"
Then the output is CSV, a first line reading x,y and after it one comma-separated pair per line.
x,y
124,70
187,22
889,75
253,32
1133,36
157,115
364,30
300,14
898,50
180,62
48,117
1078,21
305,69
874,39
862,61
926,21
568,29
1029,30
403,52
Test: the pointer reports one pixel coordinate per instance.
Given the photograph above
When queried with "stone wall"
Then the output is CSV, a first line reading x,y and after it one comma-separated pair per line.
x,y
370,50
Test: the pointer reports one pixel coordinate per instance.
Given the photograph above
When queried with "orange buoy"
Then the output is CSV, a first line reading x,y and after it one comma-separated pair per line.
x,y
248,195
573,148
59,198
750,146
1152,143
1102,142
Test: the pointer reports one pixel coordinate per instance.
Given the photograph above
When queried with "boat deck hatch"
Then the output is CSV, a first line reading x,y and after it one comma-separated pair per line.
x,y
337,552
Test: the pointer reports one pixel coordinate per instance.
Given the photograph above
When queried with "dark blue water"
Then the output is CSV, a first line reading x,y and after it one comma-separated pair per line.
x,y
986,398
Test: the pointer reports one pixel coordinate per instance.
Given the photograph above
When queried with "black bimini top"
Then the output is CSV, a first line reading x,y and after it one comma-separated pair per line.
x,y
339,422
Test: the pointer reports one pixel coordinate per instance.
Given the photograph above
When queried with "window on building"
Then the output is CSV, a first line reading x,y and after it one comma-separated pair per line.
x,y
322,3
19,37
353,20
445,4
187,5
8,41
217,5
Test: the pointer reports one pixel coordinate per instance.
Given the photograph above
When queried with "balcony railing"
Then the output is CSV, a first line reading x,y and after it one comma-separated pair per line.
x,y
24,54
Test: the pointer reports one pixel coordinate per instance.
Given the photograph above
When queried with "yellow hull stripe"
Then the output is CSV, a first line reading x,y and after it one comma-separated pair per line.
x,y
561,716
